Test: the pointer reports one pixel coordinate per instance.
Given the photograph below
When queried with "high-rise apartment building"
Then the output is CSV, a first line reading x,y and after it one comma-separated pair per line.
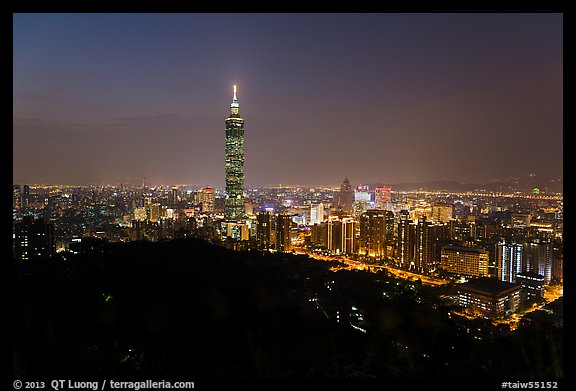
x,y
34,239
265,233
373,234
405,251
283,229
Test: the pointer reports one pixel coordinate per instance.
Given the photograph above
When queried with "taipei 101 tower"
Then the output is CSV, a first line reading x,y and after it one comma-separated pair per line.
x,y
234,204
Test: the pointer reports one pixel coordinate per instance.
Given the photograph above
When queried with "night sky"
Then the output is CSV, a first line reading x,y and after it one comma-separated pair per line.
x,y
110,98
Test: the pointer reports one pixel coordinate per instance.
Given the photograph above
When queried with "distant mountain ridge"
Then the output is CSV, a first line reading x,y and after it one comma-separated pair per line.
x,y
455,186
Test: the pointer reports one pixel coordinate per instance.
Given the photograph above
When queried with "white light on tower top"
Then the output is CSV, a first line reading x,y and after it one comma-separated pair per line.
x,y
234,99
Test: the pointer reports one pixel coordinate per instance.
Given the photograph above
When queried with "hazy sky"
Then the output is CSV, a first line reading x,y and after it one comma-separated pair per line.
x,y
104,98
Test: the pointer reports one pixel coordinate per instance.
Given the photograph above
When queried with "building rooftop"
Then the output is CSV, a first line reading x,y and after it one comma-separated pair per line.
x,y
464,249
531,275
488,287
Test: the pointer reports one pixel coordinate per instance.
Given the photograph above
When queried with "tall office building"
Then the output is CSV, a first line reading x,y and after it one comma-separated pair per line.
x,y
316,213
34,239
207,199
508,261
234,203
174,195
538,258
373,234
346,196
382,196
361,201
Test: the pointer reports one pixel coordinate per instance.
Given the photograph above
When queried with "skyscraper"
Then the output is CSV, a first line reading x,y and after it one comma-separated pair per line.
x,y
383,195
508,261
283,227
174,195
25,203
373,234
538,258
346,196
234,203
316,213
207,199
341,235
405,252
265,234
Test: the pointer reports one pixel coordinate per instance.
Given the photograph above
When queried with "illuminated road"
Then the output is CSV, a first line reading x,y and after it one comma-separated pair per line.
x,y
357,265
550,196
551,292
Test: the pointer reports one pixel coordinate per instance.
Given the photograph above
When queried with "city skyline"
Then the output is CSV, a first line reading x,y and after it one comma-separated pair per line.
x,y
373,97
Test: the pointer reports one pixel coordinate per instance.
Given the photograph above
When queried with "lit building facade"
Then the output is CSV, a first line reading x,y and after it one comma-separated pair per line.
x,y
207,199
539,258
16,197
341,235
25,202
508,261
464,261
424,239
405,251
33,239
373,234
234,202
346,196
382,196
265,233
316,213
532,284
442,212
237,231
283,232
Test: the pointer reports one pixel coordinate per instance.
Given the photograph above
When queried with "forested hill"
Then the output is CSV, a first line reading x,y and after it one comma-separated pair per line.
x,y
188,309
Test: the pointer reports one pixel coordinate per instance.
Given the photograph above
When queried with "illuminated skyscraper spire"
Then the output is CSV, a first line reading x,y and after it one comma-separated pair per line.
x,y
234,106
234,203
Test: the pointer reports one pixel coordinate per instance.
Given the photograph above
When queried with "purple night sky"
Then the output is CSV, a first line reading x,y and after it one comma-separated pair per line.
x,y
110,98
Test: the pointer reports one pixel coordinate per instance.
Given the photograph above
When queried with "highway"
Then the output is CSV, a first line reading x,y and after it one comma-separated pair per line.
x,y
351,264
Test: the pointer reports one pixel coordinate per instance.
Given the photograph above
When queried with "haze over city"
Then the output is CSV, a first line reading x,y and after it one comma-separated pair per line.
x,y
212,198
373,97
